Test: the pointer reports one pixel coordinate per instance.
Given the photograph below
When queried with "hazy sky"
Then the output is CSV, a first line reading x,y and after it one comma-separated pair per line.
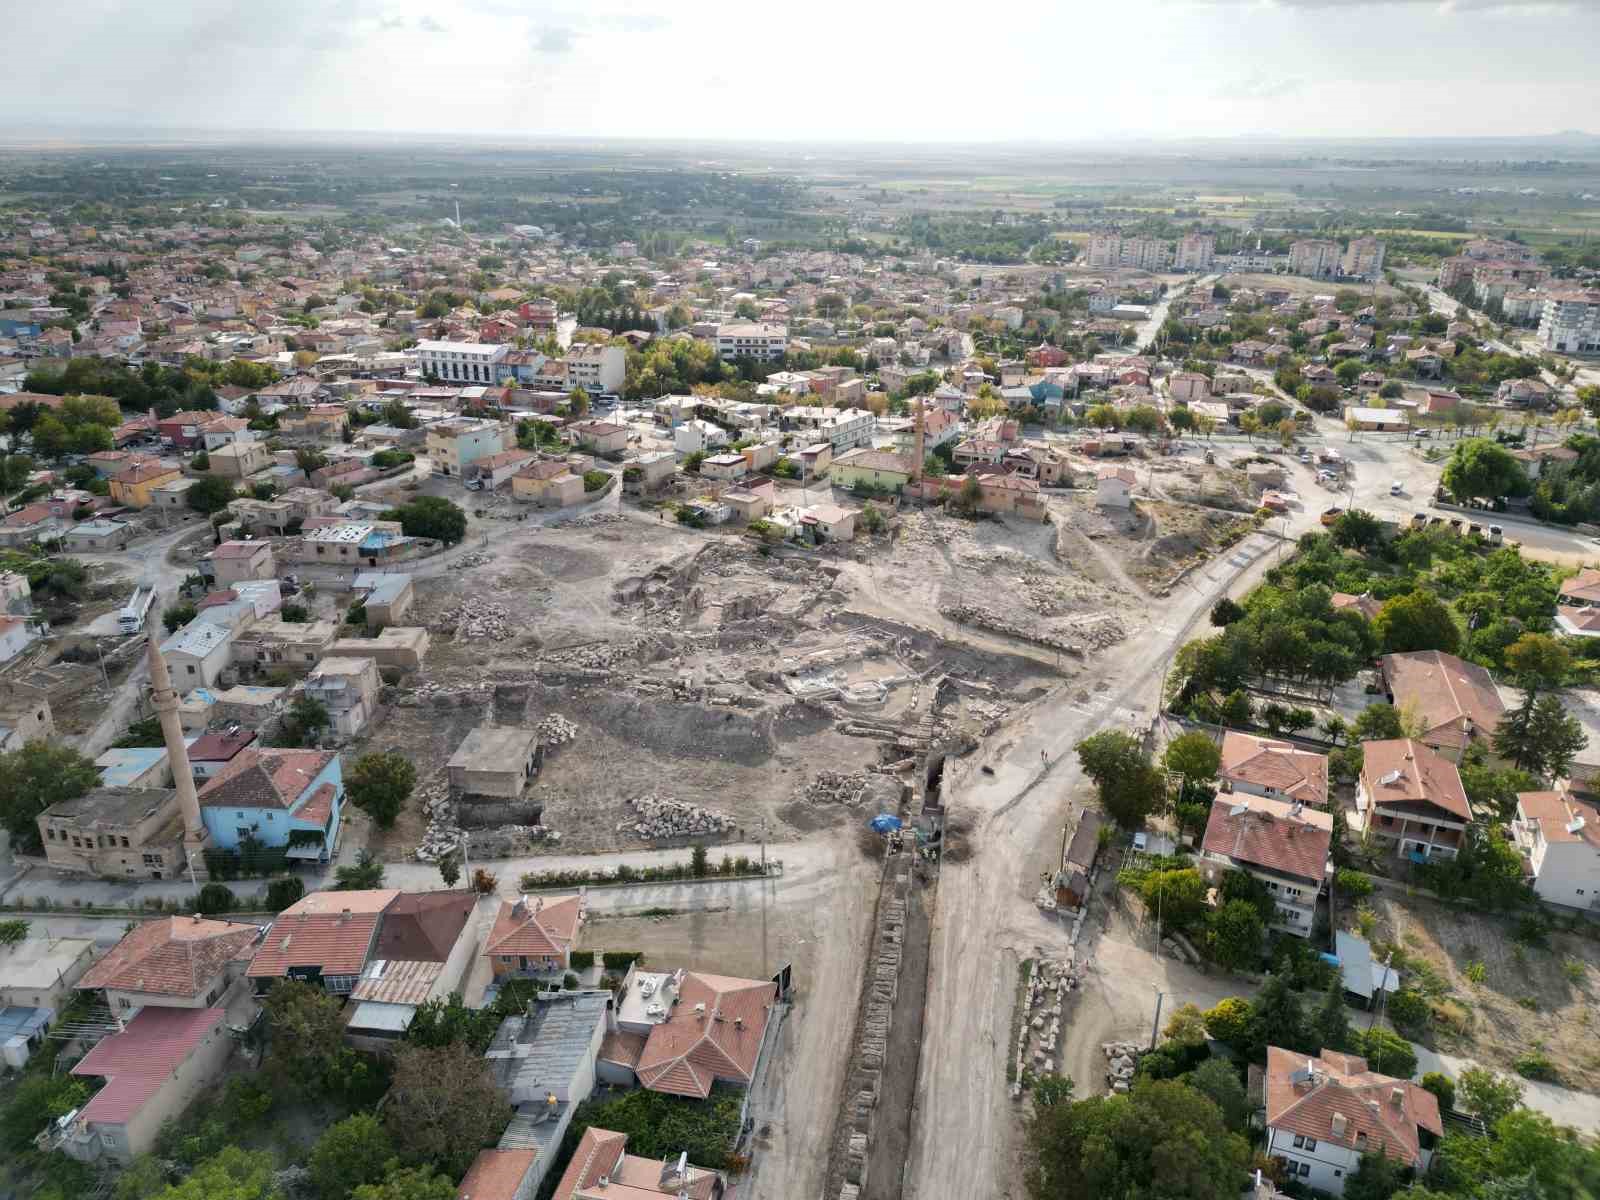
x,y
825,69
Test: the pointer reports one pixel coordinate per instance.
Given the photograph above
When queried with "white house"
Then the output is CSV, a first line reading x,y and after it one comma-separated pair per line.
x,y
198,653
695,436
1324,1113
1560,836
1114,487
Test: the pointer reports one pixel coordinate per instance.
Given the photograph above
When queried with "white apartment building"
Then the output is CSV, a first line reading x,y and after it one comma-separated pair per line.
x,y
1559,834
1105,251
1314,257
1363,258
844,428
459,362
1571,322
1195,252
753,339
597,369
1146,254
452,445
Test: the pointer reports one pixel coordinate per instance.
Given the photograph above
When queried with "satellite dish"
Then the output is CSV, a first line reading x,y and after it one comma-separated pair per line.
x,y
1238,810
1574,825
1391,777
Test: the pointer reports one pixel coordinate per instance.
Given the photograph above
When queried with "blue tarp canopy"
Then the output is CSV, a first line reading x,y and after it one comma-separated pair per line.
x,y
885,823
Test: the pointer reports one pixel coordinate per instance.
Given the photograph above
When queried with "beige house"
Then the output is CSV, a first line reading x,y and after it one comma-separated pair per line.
x,y
41,972
1455,700
133,486
726,467
600,437
239,460
494,760
400,646
549,484
274,642
387,596
348,687
643,475
236,562
24,718
127,833
1113,487
174,962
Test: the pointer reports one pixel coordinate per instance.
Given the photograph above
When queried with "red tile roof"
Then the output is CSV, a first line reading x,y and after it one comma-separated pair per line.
x,y
318,806
622,1048
1405,772
598,1152
536,927
496,1174
1304,1095
1282,766
330,930
1450,696
1270,834
265,778
220,747
140,1059
713,1032
175,956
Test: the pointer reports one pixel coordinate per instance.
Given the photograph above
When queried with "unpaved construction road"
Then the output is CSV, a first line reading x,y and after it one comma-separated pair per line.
x,y
965,1129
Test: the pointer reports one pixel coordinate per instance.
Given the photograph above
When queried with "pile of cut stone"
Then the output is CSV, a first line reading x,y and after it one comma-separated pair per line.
x,y
1100,632
980,617
556,730
476,620
476,559
835,787
1122,1060
663,817
586,522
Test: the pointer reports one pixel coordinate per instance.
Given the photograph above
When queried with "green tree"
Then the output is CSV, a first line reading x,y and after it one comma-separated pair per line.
x,y
176,616
1540,736
1479,469
1178,897
35,777
1386,1053
1276,1019
430,517
380,784
39,1099
1378,722
1194,756
407,1183
1229,1021
1218,1080
1377,1177
230,1174
1330,1023
12,932
578,402
366,873
1537,660
1130,788
1489,1096
1163,1138
348,1154
281,893
303,724
1442,1087
1418,620
450,869
305,1034
1356,530
1234,934
444,1106
1226,611
210,493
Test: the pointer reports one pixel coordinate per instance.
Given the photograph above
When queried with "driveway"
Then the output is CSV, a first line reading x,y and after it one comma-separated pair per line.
x,y
1562,1105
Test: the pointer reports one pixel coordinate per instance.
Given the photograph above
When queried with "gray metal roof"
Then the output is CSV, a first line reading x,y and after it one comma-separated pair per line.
x,y
546,1048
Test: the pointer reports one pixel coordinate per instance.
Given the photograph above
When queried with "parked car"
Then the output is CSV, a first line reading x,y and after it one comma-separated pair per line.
x,y
1140,841
1396,488
1330,515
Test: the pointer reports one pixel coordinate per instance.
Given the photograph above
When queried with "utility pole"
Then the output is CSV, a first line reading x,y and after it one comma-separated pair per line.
x,y
1156,1025
766,965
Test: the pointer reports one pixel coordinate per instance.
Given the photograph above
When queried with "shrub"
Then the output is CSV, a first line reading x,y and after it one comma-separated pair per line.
x,y
593,481
581,960
215,898
281,893
1409,1011
484,882
1355,885
570,981
1442,1086
1537,1065
621,960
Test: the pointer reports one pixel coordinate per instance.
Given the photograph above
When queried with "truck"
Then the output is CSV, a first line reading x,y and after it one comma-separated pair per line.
x,y
132,617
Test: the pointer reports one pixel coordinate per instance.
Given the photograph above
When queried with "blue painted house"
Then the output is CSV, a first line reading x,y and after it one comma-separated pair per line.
x,y
277,798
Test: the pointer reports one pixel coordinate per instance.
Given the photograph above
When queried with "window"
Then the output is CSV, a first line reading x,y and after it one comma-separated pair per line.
x,y
190,669
124,843
50,834
1311,1143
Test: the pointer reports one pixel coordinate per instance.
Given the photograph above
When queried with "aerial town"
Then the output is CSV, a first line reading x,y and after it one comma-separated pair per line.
x,y
796,680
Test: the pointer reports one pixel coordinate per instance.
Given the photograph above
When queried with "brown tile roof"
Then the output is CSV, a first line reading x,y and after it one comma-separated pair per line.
x,y
265,778
1585,585
318,806
1556,812
138,1062
623,1048
1282,766
1449,695
175,956
1402,771
1270,834
331,930
713,1032
536,927
1379,1112
143,473
496,1174
400,982
598,1152
424,926
1364,604
220,747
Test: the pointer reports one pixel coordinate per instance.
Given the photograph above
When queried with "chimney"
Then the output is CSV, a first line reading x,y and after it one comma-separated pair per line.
x,y
1340,1124
1397,1097
344,916
164,699
738,1022
197,918
1374,1106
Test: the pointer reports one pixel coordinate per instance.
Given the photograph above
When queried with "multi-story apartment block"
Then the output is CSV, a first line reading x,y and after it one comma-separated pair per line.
x,y
597,369
1146,254
1105,251
1571,322
459,362
1314,257
1495,279
764,343
1363,258
1195,252
452,445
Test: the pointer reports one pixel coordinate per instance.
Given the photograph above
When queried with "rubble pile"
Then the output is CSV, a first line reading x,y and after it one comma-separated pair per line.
x,y
476,620
1122,1060
1099,632
663,817
476,559
605,656
981,617
556,730
589,521
1039,1031
443,835
834,787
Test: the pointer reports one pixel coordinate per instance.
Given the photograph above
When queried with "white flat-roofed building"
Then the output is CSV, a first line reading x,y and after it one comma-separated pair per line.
x,y
1571,322
459,362
756,340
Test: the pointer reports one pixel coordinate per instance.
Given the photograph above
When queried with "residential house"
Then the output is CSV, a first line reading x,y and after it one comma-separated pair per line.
x,y
1323,1114
1366,604
599,437
386,596
829,522
132,487
32,523
135,767
185,430
505,1175
1578,604
1559,834
239,460
1383,420
602,1169
24,718
535,935
1275,769
150,1072
876,470
1114,487
1184,386
1410,797
752,499
724,467
41,972
348,688
494,760
174,962
401,647
597,368
1456,701
324,938
496,469
210,753
116,833
696,436
549,483
99,536
272,798
1281,843
237,562
274,642
16,635
454,445
644,474
425,946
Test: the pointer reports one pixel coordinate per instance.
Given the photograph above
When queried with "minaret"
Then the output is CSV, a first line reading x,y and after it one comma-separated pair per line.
x,y
164,698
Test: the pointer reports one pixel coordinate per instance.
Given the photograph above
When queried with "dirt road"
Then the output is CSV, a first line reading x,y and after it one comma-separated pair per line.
x,y
965,1128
